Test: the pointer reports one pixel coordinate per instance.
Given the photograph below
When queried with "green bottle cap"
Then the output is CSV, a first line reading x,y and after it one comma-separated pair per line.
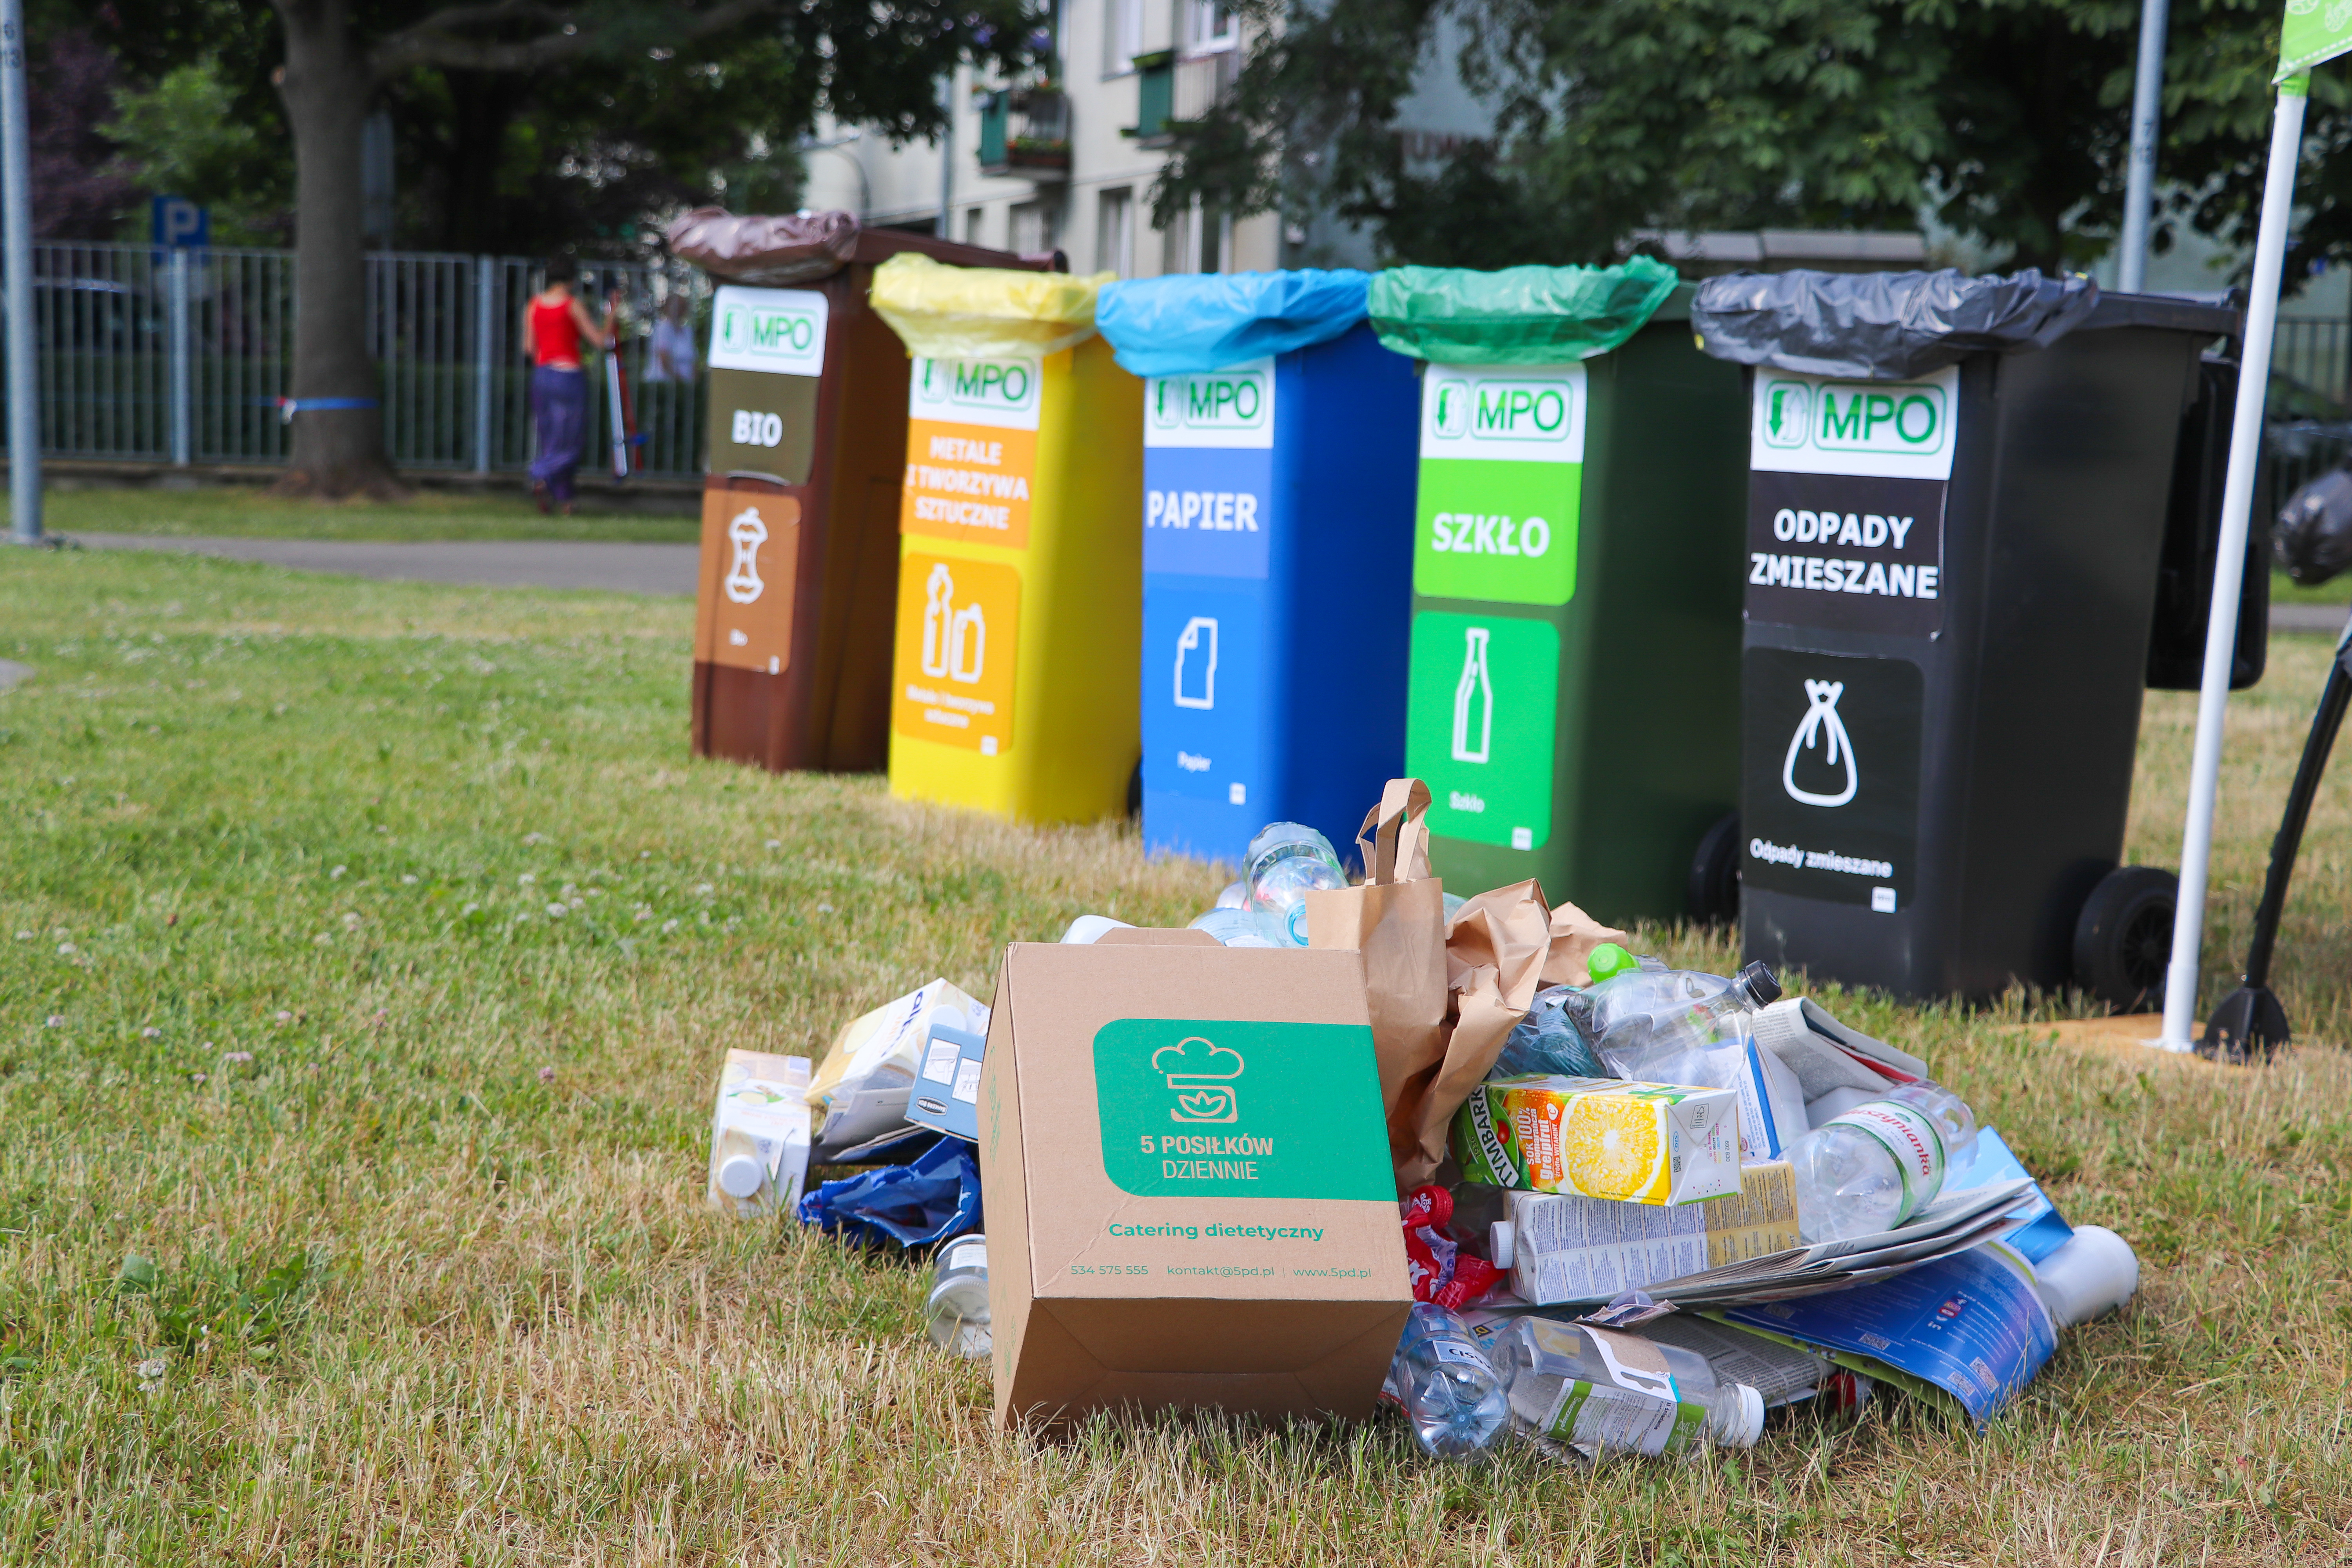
x,y
1609,959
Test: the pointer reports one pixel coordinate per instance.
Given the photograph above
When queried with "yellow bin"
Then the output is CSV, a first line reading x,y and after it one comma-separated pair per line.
x,y
1014,679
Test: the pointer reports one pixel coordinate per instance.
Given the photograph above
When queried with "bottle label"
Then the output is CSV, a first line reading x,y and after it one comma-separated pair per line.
x,y
1613,1420
1912,1138
1460,1353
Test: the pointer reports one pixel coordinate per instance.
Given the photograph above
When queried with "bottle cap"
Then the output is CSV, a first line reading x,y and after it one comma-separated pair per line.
x,y
1608,961
1744,1429
1500,1238
739,1175
1761,984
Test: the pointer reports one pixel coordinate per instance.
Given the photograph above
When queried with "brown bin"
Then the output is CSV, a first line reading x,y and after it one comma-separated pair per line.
x,y
797,596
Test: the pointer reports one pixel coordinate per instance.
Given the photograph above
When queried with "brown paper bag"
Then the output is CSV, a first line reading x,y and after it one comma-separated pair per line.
x,y
1574,936
1397,920
1496,949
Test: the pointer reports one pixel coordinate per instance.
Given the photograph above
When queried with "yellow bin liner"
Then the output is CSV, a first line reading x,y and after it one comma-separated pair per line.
x,y
1015,681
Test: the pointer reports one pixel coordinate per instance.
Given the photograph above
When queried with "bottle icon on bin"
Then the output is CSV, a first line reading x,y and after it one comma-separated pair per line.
x,y
1196,663
955,641
1473,700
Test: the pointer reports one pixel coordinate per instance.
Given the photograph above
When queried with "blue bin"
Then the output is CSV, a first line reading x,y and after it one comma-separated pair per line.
x,y
1278,470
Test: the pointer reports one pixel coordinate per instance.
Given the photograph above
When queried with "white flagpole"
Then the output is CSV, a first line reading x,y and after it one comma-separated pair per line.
x,y
2237,504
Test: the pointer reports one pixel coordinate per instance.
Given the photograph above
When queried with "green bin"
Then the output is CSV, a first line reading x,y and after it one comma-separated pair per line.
x,y
1578,581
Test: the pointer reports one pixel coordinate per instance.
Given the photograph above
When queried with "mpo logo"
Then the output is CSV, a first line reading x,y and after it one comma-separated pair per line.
x,y
766,330
1209,402
1503,410
1853,416
978,383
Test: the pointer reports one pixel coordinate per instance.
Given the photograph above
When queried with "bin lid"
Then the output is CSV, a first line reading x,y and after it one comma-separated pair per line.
x,y
1193,323
793,247
1521,315
983,313
1884,326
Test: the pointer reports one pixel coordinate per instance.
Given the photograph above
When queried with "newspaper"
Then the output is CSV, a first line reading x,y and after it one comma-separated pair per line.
x,y
1964,1332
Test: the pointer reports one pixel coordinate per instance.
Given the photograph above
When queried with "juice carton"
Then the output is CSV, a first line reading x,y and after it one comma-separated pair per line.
x,y
1601,1138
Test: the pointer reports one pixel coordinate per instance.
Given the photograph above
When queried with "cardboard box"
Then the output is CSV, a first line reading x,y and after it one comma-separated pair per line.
x,y
1601,1138
1569,1248
947,1092
1189,1198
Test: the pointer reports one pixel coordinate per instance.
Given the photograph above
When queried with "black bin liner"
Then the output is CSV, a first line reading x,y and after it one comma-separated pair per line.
x,y
1882,326
2313,540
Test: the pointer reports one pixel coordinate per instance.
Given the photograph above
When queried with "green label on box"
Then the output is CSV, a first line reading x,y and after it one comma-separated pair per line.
x,y
1488,528
1238,1108
1482,699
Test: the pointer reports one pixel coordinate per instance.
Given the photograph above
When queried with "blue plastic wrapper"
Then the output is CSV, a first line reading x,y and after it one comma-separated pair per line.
x,y
935,1197
1192,323
1547,1041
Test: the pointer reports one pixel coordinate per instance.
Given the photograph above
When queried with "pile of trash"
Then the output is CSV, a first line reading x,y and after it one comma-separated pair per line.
x,y
1644,1208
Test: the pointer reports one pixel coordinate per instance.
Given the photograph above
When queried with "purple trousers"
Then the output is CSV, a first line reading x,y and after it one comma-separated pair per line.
x,y
559,413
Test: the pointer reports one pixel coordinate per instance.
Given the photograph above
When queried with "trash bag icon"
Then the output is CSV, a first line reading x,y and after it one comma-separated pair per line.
x,y
1820,727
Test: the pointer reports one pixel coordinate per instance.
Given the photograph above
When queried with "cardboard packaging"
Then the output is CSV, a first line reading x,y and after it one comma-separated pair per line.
x,y
1601,1138
1569,1248
759,1134
1189,1198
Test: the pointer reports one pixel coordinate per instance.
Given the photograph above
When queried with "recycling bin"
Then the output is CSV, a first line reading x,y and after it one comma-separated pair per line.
x,y
1957,508
806,436
1573,689
1013,685
1277,545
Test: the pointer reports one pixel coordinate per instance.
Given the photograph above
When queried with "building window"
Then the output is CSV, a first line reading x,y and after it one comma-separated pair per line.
x,y
1122,36
1209,27
972,221
1115,232
1036,227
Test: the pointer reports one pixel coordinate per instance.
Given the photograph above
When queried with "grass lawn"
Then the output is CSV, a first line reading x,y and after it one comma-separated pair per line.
x,y
250,510
366,954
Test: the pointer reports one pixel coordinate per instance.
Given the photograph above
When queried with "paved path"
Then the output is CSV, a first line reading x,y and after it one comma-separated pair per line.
x,y
2326,618
504,564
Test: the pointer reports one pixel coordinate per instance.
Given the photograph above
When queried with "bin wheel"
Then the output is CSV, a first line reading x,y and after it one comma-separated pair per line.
x,y
2123,939
1714,891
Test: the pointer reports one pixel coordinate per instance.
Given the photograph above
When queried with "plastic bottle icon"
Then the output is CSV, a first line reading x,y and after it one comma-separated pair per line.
x,y
968,644
1196,663
1473,700
1819,725
939,594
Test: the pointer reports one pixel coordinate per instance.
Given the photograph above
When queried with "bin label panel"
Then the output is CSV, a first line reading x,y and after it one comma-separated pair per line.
x,y
1227,408
1208,513
972,449
1830,776
1892,431
780,330
1483,696
1845,553
1506,414
958,639
1205,698
1499,530
750,549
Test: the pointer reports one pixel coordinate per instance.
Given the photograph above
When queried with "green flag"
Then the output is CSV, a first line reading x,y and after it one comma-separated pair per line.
x,y
2316,31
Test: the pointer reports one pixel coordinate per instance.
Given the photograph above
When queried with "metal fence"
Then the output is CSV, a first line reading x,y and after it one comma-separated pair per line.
x,y
186,357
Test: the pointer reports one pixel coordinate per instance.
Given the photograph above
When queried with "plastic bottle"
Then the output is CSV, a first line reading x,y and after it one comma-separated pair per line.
x,y
1601,1391
1285,861
1240,928
1450,1391
1660,1025
1547,1041
957,1310
1878,1165
1235,897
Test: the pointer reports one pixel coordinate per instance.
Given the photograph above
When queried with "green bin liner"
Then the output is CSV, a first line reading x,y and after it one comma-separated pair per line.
x,y
1521,315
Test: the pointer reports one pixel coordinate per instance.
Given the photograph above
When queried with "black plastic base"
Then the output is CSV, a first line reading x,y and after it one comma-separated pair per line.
x,y
2247,1026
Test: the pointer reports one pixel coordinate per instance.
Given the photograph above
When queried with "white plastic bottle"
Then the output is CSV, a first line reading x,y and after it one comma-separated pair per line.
x,y
1879,1164
957,1310
1450,1391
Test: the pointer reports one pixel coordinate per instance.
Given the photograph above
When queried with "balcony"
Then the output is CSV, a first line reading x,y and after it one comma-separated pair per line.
x,y
1024,132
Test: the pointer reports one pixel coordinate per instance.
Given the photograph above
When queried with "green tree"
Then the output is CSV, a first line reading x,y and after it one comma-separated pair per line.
x,y
2004,118
184,136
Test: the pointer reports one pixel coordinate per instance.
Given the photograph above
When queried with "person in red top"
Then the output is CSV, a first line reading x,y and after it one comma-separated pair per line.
x,y
554,324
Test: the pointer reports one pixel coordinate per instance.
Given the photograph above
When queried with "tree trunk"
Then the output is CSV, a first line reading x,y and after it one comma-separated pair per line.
x,y
326,85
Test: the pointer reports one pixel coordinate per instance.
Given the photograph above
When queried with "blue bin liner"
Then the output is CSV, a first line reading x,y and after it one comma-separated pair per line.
x,y
1193,323
933,1198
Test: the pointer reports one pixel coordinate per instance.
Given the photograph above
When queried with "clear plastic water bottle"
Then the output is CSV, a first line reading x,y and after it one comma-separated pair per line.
x,y
1449,1389
1878,1165
1660,1023
1285,861
1241,928
1235,897
957,1310
1547,1041
1601,1391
